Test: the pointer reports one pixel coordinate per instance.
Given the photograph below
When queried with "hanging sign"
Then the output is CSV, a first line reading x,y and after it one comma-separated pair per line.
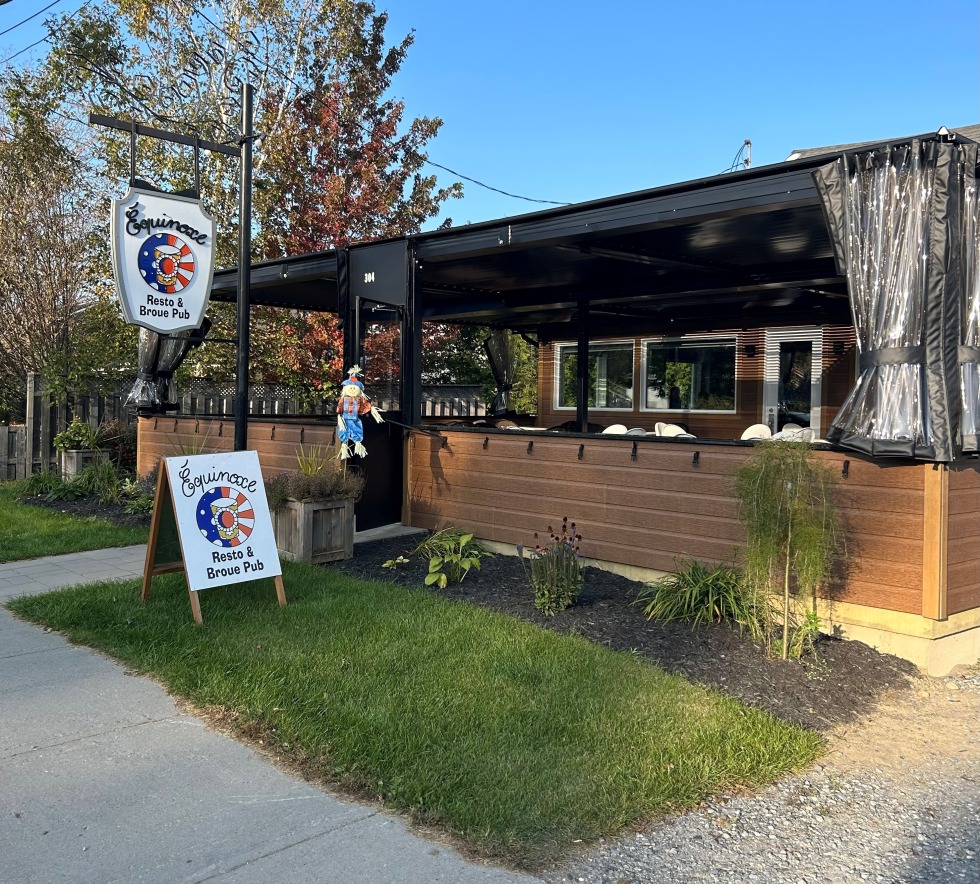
x,y
214,506
162,259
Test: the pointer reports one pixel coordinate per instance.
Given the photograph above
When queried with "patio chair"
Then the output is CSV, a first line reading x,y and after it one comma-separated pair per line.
x,y
676,431
615,430
757,431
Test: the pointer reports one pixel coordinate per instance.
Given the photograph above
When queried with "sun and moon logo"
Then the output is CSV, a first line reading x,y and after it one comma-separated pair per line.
x,y
166,263
225,516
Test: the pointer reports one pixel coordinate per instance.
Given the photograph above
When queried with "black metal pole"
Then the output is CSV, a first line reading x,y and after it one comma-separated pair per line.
x,y
244,272
582,380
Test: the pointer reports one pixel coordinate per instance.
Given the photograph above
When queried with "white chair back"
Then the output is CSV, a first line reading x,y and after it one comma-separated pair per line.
x,y
757,431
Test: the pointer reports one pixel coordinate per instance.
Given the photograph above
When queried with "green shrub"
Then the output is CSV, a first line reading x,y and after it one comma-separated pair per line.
x,y
39,484
701,593
100,480
554,570
77,435
452,553
787,503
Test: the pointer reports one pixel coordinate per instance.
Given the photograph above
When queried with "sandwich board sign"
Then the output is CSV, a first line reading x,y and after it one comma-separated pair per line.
x,y
162,259
211,520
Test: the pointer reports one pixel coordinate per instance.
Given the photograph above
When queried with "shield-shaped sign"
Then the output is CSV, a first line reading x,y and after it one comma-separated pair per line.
x,y
162,259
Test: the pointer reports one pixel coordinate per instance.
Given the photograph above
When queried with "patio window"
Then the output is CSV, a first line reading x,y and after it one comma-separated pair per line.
x,y
610,375
690,375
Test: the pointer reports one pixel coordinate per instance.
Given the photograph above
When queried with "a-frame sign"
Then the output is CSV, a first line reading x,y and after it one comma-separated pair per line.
x,y
211,520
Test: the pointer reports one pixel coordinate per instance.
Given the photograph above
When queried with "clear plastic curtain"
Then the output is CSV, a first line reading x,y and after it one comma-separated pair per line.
x,y
144,392
969,353
881,204
503,363
159,357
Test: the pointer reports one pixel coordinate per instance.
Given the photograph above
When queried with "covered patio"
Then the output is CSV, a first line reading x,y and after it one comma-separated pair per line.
x,y
736,267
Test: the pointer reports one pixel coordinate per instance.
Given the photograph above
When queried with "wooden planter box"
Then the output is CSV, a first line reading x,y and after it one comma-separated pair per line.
x,y
315,531
74,459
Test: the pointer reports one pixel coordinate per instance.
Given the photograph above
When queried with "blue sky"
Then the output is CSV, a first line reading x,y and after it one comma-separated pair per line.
x,y
571,101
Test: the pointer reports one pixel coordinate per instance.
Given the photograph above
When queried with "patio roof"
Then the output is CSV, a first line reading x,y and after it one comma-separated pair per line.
x,y
742,249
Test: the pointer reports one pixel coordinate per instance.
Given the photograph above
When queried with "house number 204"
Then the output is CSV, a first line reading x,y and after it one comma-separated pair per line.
x,y
369,277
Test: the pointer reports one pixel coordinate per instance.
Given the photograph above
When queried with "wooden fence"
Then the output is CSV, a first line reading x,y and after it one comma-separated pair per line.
x,y
29,448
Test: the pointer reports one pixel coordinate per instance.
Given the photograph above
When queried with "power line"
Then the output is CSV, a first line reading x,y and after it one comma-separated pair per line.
x,y
26,20
495,189
310,92
22,51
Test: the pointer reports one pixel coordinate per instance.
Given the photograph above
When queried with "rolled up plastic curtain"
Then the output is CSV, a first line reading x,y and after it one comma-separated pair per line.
x,y
894,217
159,357
969,351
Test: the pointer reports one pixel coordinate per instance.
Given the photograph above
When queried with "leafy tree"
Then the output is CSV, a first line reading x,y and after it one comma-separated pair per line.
x,y
54,306
336,162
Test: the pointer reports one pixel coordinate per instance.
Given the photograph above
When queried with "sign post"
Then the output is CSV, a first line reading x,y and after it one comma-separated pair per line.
x,y
211,520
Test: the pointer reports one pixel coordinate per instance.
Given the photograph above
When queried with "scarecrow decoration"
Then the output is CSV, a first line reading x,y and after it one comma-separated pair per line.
x,y
351,405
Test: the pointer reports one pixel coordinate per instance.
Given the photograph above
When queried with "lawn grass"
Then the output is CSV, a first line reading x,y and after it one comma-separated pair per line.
x,y
517,739
27,532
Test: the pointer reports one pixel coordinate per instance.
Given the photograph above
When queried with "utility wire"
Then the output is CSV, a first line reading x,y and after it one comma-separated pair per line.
x,y
26,20
303,93
495,189
22,51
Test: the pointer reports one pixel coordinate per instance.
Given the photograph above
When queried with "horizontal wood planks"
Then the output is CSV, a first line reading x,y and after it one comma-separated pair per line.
x,y
963,550
276,443
649,511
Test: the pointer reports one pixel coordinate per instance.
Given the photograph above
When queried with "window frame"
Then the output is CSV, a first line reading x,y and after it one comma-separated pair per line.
x,y
697,340
559,346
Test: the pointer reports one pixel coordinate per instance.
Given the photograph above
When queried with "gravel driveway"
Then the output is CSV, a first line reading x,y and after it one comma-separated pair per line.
x,y
896,799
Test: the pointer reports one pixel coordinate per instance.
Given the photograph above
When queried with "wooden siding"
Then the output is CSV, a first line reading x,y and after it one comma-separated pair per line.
x,y
649,511
277,443
963,533
837,380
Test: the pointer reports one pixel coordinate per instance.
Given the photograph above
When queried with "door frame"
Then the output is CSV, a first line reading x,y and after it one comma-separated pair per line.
x,y
770,373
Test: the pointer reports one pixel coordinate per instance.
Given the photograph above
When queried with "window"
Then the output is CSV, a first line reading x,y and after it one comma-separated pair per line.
x,y
610,375
690,375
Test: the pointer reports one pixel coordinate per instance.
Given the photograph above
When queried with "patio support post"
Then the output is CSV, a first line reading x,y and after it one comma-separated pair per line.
x,y
244,272
582,381
935,536
345,309
411,345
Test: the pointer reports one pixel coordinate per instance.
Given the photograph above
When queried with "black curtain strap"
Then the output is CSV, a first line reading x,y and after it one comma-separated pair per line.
x,y
146,376
505,388
893,356
966,355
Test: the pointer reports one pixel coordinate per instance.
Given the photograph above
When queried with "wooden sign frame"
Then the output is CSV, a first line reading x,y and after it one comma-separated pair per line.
x,y
163,524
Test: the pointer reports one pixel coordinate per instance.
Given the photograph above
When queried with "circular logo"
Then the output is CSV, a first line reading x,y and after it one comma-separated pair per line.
x,y
225,516
166,263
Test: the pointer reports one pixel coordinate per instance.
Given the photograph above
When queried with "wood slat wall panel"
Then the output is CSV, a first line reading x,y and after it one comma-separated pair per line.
x,y
277,452
963,545
660,507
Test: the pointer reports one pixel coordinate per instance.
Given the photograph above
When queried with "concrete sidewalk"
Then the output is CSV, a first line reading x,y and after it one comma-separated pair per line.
x,y
102,779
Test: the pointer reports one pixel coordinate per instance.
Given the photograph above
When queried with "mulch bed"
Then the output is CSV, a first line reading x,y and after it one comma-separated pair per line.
x,y
840,683
91,506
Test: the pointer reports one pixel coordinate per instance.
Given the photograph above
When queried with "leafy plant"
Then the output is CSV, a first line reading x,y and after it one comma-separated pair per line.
x,y
393,564
452,553
77,435
701,593
786,498
141,505
100,480
39,484
554,570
